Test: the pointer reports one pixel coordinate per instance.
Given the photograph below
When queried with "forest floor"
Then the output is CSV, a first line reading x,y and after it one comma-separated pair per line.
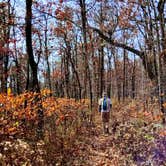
x,y
137,137
133,141
99,148
128,144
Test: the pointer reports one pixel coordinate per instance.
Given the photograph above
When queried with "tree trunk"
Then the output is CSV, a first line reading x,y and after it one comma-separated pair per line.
x,y
18,80
161,5
101,70
85,49
124,74
68,54
48,75
118,83
5,35
133,79
34,86
109,74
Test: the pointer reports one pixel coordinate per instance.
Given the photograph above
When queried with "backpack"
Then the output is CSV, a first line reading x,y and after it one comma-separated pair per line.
x,y
105,104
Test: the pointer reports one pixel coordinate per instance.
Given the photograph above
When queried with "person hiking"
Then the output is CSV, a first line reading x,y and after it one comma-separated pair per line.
x,y
105,106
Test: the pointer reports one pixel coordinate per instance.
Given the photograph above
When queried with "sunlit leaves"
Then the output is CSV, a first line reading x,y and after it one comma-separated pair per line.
x,y
164,105
13,109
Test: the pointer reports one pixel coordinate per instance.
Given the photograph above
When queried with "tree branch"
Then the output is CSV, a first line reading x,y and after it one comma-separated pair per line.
x,y
120,45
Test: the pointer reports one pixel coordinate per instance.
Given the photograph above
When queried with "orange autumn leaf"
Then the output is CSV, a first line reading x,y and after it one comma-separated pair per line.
x,y
157,117
164,105
11,129
162,133
147,113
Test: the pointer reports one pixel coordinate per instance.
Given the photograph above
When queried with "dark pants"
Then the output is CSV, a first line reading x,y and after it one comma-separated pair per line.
x,y
105,120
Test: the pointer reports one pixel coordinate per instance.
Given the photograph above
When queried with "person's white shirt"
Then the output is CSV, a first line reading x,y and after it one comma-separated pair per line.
x,y
109,104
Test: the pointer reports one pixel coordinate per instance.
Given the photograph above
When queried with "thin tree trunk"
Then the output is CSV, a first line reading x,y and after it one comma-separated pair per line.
x,y
109,77
133,79
161,15
118,83
48,75
73,66
85,50
18,82
5,54
124,74
101,70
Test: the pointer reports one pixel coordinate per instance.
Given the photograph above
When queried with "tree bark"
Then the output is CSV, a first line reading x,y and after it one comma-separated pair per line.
x,y
68,53
28,30
85,49
124,74
133,79
48,75
34,86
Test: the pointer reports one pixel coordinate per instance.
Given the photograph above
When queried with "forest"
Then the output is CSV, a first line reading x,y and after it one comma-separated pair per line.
x,y
57,57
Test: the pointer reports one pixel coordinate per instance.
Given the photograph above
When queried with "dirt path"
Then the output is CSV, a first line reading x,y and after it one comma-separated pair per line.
x,y
100,149
131,144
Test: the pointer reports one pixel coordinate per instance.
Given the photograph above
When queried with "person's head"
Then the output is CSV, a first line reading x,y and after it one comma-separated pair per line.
x,y
104,94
